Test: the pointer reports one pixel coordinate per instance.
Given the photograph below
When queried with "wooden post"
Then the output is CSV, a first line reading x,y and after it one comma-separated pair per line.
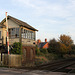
x,y
2,40
7,34
6,44
1,50
20,36
27,34
1,58
34,36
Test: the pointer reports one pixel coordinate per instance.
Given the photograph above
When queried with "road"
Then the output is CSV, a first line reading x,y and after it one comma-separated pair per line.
x,y
12,71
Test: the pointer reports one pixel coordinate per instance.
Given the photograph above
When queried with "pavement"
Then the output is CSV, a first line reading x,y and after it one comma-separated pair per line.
x,y
13,71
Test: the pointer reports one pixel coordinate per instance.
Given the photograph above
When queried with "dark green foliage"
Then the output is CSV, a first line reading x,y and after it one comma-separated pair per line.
x,y
73,49
63,46
37,50
17,48
44,51
38,53
53,46
57,48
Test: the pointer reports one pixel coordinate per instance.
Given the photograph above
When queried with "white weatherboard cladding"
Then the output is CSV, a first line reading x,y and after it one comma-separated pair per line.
x,y
28,42
1,32
11,41
11,24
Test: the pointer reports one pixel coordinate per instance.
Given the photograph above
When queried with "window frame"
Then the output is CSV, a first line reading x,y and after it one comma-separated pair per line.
x,y
13,33
0,34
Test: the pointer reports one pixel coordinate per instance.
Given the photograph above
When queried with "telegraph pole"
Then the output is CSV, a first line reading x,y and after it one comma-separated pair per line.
x,y
7,34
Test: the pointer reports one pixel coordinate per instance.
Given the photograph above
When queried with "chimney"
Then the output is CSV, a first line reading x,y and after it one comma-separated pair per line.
x,y
45,40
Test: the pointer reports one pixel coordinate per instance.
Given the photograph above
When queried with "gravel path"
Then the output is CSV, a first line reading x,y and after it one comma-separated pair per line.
x,y
12,71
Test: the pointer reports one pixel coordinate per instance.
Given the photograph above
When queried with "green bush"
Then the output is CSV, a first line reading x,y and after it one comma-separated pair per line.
x,y
39,53
17,48
52,56
44,51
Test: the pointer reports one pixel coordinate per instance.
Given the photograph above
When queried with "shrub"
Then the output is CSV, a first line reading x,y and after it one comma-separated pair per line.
x,y
44,51
17,48
37,51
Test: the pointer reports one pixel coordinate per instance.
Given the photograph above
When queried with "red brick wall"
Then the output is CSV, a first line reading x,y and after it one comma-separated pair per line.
x,y
30,54
46,45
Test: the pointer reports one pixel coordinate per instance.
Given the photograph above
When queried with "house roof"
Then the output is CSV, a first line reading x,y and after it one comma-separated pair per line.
x,y
2,25
19,22
41,44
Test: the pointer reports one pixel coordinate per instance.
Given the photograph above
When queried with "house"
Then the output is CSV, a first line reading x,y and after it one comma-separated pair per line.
x,y
42,45
19,31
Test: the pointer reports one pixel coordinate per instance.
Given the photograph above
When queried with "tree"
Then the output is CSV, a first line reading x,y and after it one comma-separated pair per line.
x,y
57,47
16,48
63,48
53,46
65,39
73,49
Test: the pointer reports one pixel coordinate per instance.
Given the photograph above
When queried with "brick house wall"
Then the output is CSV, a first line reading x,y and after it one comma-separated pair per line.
x,y
28,54
46,45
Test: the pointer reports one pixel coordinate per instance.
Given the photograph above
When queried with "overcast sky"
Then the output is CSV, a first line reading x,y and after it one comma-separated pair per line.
x,y
51,17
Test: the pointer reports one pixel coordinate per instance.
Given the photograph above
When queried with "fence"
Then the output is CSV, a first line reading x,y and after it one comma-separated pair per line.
x,y
11,60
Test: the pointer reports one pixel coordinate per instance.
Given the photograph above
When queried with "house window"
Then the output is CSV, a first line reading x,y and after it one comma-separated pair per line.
x,y
0,34
24,33
30,34
27,34
33,36
13,33
17,32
